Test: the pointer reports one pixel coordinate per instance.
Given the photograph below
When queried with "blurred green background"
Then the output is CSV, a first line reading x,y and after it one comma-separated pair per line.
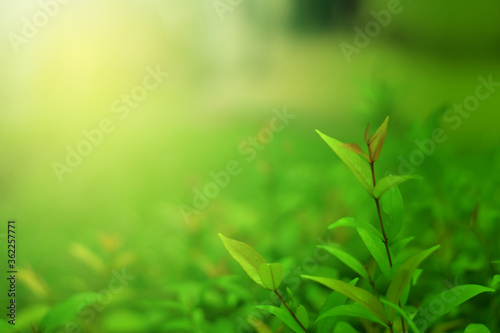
x,y
229,66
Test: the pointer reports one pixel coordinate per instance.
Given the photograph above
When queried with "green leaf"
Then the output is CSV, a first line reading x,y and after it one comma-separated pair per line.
x,y
359,295
246,256
347,259
447,300
334,299
376,141
302,316
400,244
352,310
66,311
6,327
354,223
259,326
358,167
344,327
392,211
476,328
388,182
403,314
271,275
378,250
495,281
403,276
283,315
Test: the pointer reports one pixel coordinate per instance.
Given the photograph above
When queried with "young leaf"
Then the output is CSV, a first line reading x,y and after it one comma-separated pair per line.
x,y
476,328
355,148
392,209
283,315
367,133
378,251
448,300
301,315
333,300
246,256
358,167
66,310
259,326
271,275
352,310
347,259
376,141
403,276
359,295
387,182
403,314
353,223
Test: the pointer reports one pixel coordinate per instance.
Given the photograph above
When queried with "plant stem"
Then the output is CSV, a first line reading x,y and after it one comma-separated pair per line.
x,y
293,315
385,240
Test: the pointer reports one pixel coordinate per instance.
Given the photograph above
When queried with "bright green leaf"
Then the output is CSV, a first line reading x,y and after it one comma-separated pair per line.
x,y
386,183
246,256
403,314
344,327
378,250
359,168
376,141
404,274
283,315
359,295
302,316
66,310
347,259
271,275
354,223
259,326
392,211
352,310
448,300
476,328
495,281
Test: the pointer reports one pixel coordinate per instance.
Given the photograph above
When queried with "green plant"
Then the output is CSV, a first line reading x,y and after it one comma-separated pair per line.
x,y
381,298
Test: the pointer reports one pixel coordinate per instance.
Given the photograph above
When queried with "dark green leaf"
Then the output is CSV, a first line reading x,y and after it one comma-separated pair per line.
x,y
476,328
391,207
344,327
354,223
386,183
403,314
352,310
334,299
378,250
283,315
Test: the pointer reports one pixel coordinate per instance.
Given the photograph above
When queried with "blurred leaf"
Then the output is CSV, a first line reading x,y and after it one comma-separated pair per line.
x,y
376,141
259,326
344,327
476,328
352,310
283,315
403,276
302,316
458,294
367,133
246,256
354,223
359,295
403,314
358,167
378,251
88,257
400,244
271,275
347,259
334,299
6,327
66,310
392,211
495,281
388,182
